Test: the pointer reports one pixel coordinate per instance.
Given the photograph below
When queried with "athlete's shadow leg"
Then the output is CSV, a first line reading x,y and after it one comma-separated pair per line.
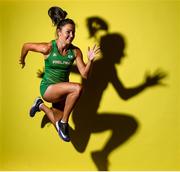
x,y
123,126
80,135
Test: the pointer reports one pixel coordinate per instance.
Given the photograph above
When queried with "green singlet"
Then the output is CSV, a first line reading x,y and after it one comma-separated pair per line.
x,y
57,67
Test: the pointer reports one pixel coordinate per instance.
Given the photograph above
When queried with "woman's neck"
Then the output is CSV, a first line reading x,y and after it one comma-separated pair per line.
x,y
62,47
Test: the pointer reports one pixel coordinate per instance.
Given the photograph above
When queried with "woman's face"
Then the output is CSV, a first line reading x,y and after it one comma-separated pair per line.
x,y
67,33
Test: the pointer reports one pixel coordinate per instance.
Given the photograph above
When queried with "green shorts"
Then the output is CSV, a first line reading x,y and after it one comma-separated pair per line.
x,y
43,88
44,85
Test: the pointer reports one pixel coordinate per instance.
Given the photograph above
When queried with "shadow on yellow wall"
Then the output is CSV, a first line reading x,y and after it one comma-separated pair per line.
x,y
85,116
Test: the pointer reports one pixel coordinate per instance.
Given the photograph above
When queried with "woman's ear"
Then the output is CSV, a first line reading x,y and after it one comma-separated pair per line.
x,y
58,32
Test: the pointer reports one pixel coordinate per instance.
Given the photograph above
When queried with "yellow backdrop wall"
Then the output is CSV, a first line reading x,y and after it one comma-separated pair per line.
x,y
148,122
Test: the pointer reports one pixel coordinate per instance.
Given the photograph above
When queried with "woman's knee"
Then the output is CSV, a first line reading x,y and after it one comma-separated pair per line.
x,y
78,89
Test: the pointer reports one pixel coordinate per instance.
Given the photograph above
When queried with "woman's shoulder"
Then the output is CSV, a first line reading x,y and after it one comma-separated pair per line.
x,y
76,50
46,47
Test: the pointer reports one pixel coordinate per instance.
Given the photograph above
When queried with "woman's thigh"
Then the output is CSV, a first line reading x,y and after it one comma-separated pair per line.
x,y
59,91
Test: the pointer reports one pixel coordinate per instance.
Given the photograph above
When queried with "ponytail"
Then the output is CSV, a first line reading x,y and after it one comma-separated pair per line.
x,y
58,17
56,14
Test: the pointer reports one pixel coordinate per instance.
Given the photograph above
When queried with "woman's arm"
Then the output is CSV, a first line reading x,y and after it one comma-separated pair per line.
x,y
83,68
43,48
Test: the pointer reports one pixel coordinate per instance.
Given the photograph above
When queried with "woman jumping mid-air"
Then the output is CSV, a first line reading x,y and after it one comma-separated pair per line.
x,y
59,55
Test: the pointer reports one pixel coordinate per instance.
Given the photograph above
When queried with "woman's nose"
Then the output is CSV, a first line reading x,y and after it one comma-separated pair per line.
x,y
71,35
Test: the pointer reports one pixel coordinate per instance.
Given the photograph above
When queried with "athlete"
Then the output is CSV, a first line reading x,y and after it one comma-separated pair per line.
x,y
59,55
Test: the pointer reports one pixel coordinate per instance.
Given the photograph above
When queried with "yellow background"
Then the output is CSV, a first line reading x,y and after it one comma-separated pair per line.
x,y
151,29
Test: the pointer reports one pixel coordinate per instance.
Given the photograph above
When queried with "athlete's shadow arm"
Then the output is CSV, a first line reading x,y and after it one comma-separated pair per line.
x,y
149,81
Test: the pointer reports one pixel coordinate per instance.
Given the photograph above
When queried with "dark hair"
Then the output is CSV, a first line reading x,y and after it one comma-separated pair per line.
x,y
58,17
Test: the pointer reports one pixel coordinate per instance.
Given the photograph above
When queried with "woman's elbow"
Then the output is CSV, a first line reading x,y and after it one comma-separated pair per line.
x,y
25,46
84,75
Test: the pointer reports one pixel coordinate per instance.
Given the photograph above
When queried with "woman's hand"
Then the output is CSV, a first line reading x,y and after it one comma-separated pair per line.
x,y
22,63
156,78
92,52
